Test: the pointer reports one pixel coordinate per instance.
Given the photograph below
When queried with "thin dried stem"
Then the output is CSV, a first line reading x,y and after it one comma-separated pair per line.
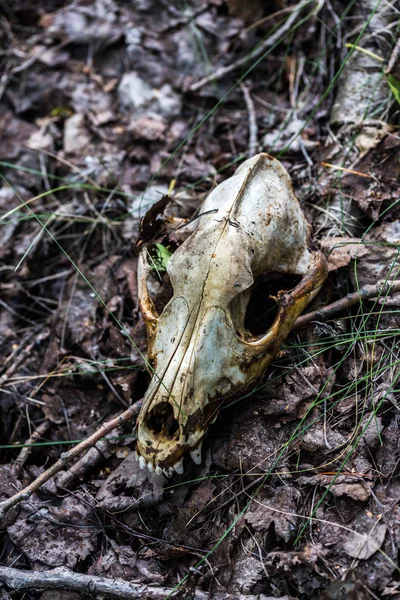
x,y
253,128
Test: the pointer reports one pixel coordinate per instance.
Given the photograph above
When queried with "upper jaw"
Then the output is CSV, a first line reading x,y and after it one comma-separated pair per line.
x,y
169,458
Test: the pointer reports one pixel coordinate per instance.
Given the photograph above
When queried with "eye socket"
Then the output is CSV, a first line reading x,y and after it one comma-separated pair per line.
x,y
261,309
160,291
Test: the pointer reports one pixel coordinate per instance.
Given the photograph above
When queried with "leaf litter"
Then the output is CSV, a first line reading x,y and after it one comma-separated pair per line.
x,y
97,94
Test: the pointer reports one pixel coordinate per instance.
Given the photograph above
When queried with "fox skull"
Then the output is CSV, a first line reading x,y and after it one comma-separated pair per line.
x,y
198,347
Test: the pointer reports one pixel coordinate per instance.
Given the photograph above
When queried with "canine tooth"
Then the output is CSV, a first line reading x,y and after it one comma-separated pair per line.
x,y
178,467
142,462
195,454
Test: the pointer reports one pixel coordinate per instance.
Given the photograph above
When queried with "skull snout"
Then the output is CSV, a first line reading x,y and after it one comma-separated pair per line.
x,y
159,438
163,439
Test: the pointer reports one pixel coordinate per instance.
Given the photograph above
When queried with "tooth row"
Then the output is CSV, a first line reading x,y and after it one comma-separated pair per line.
x,y
177,468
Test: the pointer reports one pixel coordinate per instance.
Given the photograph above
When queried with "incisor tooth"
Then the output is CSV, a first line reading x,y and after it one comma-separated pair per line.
x,y
150,466
159,470
142,462
178,467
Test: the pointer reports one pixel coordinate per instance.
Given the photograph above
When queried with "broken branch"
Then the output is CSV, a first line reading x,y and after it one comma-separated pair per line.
x,y
67,457
62,578
365,293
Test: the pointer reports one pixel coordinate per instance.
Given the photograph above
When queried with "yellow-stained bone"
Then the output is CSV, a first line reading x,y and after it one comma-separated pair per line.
x,y
198,346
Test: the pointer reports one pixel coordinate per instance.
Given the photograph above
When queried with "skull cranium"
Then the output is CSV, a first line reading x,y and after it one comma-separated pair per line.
x,y
199,348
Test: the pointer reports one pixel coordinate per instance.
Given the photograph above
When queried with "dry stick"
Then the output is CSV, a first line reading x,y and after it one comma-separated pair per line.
x,y
242,62
253,129
89,461
24,352
367,292
67,457
394,58
64,579
39,432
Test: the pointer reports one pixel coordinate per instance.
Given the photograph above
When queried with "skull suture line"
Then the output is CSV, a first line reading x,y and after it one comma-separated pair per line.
x,y
199,347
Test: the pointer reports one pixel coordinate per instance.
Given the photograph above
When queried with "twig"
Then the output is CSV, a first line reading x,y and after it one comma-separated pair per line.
x,y
39,432
88,462
253,129
394,58
93,585
67,457
24,350
241,62
62,578
365,293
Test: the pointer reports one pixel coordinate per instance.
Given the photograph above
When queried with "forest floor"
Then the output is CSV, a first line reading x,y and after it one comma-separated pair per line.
x,y
106,106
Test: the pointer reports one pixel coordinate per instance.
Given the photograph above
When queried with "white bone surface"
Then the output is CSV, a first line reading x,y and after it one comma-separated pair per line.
x,y
200,348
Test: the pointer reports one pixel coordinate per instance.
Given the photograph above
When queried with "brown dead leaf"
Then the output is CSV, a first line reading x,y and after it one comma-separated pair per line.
x,y
288,395
191,524
122,561
383,166
382,261
367,538
250,442
148,128
315,438
358,491
341,250
277,509
9,485
371,135
54,536
15,133
128,487
152,222
388,452
250,11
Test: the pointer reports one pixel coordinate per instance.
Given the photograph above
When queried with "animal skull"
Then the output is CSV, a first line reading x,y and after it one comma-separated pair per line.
x,y
198,347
